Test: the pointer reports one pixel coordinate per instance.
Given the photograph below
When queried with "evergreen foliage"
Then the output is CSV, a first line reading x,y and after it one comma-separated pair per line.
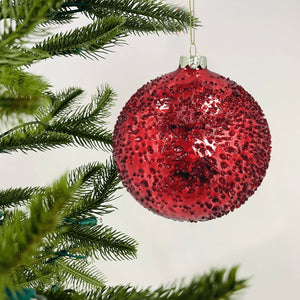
x,y
50,235
61,122
142,16
22,233
47,240
98,188
101,241
88,41
215,285
25,21
19,90
16,196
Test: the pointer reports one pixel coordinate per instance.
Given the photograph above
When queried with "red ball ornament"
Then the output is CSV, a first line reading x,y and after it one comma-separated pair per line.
x,y
191,145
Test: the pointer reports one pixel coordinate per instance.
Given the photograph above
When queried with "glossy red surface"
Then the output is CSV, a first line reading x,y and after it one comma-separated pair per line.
x,y
191,145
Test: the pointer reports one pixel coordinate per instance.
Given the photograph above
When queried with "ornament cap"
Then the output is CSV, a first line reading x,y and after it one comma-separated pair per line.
x,y
194,62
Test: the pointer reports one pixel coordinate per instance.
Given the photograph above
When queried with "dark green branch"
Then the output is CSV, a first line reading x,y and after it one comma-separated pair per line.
x,y
79,274
102,241
92,40
142,15
23,126
215,285
16,196
30,136
24,235
103,185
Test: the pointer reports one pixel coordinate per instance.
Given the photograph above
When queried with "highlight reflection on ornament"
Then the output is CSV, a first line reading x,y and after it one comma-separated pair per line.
x,y
191,145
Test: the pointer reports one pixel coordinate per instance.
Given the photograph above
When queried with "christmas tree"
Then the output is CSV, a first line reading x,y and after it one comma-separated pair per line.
x,y
50,235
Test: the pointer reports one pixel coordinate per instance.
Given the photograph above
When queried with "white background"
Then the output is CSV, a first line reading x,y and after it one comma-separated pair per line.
x,y
256,44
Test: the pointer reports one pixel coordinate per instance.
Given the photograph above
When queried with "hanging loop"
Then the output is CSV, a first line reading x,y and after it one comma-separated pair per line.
x,y
193,60
193,50
192,28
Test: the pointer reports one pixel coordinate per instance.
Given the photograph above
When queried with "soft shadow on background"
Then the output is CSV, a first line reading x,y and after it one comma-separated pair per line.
x,y
255,43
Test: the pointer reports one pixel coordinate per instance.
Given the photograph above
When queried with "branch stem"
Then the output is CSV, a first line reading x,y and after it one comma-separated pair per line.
x,y
22,125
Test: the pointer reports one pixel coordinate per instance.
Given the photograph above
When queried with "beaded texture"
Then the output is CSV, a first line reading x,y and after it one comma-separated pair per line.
x,y
191,145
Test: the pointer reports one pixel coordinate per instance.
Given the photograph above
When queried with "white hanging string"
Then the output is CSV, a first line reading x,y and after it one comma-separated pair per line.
x,y
193,47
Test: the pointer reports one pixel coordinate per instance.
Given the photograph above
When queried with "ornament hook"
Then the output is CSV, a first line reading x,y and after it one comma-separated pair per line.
x,y
193,60
192,28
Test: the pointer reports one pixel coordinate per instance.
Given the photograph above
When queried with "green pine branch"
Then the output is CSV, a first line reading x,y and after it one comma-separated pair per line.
x,y
32,136
21,92
88,175
93,138
84,124
27,15
62,103
111,21
95,182
100,241
17,196
100,184
91,41
69,240
59,19
95,112
22,235
88,137
125,17
17,56
79,274
33,276
142,16
62,123
65,13
218,284
215,285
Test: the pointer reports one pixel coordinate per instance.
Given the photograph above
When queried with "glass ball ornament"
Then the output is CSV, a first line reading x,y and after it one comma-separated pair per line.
x,y
191,145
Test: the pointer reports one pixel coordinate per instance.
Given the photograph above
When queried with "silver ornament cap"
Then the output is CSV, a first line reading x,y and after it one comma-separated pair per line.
x,y
194,62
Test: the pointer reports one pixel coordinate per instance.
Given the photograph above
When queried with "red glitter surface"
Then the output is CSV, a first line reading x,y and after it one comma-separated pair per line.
x,y
191,145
